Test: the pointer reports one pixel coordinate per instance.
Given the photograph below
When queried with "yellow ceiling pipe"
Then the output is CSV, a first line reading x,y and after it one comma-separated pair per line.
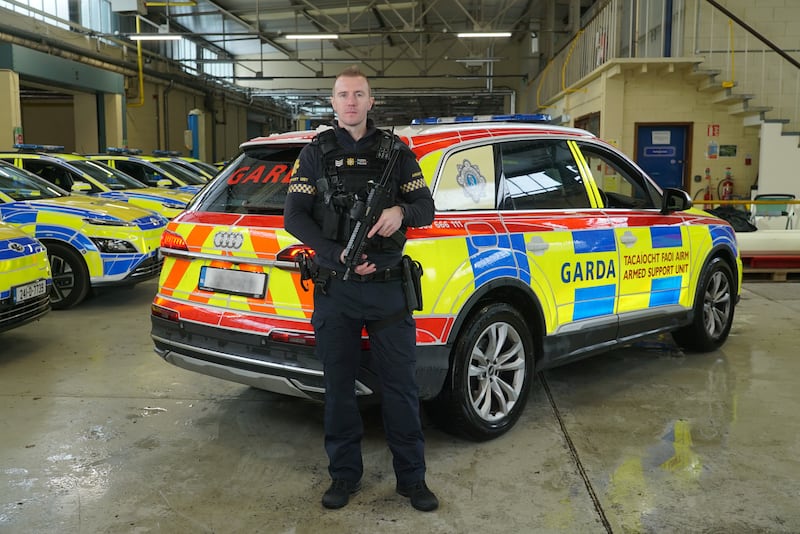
x,y
139,62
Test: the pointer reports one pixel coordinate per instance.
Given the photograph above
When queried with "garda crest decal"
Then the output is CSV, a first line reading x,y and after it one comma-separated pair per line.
x,y
470,178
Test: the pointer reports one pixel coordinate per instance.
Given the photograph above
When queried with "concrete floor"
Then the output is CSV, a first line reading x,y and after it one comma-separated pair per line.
x,y
97,434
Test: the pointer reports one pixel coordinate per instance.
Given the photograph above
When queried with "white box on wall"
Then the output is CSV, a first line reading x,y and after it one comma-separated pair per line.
x,y
129,6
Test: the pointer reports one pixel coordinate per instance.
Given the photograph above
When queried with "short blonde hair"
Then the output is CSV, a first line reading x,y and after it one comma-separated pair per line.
x,y
353,72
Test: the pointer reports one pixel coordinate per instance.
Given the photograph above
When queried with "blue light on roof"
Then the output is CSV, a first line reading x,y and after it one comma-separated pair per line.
x,y
512,117
123,150
39,148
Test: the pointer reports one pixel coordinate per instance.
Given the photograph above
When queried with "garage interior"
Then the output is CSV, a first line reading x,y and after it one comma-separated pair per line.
x,y
100,435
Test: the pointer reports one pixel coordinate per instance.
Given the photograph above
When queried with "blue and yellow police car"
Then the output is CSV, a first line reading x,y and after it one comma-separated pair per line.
x,y
79,174
91,242
548,246
25,279
151,170
193,165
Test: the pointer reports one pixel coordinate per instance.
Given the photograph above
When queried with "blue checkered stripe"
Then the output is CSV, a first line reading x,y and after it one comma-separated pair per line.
x,y
29,245
126,196
596,300
723,235
665,290
498,255
493,256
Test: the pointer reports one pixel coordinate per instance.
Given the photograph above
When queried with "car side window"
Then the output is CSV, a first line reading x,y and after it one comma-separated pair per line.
x,y
138,172
467,181
620,184
52,173
540,174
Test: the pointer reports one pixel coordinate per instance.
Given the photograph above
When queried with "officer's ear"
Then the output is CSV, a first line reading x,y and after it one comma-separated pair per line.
x,y
371,102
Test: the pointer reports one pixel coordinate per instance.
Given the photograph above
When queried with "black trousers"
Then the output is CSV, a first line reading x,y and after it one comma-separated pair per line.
x,y
339,316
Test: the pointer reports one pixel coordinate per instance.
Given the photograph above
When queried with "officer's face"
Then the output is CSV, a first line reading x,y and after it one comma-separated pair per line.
x,y
351,100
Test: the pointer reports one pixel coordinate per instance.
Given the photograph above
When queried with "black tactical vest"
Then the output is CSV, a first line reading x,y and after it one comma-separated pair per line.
x,y
346,182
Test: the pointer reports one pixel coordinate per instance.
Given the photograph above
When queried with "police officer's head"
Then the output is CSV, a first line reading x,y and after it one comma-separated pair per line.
x,y
352,99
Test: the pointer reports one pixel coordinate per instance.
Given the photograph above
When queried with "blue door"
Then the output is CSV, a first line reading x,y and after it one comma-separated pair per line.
x,y
661,152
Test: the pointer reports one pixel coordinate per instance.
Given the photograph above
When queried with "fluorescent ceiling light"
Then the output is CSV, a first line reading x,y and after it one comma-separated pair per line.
x,y
479,60
155,37
315,36
484,34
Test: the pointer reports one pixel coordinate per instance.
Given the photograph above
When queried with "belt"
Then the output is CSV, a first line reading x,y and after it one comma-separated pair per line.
x,y
384,275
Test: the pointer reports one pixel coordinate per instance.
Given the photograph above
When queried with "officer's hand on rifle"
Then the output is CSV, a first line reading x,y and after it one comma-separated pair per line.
x,y
362,268
388,223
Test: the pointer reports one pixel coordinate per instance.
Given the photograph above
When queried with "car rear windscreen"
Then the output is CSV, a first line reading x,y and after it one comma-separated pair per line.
x,y
255,183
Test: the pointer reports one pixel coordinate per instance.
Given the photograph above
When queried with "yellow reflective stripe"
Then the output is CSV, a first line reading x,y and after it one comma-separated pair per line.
x,y
588,177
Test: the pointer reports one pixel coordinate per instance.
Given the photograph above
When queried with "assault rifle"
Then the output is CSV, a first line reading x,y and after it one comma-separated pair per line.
x,y
366,212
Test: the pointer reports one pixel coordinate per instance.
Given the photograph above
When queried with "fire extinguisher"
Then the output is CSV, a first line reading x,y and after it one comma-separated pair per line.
x,y
708,195
726,186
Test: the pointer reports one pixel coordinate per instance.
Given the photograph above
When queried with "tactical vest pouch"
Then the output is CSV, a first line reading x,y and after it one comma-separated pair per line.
x,y
412,283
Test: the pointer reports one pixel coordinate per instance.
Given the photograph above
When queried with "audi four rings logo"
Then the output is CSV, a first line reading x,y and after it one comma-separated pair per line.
x,y
228,240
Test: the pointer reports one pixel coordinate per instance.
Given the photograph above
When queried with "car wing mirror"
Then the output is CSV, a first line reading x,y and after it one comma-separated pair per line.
x,y
675,200
163,182
80,187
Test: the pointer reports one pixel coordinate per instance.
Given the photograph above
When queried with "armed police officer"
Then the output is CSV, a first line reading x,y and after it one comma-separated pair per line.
x,y
332,177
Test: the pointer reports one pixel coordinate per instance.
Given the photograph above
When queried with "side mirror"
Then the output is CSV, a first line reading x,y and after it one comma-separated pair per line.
x,y
163,182
80,187
675,200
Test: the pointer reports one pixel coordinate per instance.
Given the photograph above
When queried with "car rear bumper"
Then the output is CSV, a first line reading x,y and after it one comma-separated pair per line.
x,y
13,315
149,268
255,360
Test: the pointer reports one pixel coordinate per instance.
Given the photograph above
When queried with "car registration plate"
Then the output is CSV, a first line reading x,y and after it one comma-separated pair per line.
x,y
29,291
243,283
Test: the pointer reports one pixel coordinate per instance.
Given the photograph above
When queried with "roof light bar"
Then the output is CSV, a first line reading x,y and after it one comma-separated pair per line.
x,y
514,117
38,148
123,150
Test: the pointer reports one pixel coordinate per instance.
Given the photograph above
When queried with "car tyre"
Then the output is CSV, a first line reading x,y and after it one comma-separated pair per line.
x,y
70,276
713,310
489,377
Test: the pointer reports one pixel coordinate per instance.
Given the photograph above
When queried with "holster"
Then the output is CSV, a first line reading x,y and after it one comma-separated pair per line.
x,y
412,283
308,269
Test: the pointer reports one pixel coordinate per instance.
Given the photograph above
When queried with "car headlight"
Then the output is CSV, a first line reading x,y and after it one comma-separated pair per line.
x,y
108,222
114,246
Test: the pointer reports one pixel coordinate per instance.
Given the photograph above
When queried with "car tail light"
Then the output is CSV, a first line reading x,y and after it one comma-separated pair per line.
x,y
170,239
164,313
287,258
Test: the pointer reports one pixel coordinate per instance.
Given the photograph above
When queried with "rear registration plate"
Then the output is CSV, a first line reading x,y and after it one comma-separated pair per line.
x,y
233,282
29,291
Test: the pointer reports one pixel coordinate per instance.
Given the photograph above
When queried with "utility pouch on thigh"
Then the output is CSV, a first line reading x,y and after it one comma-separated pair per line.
x,y
412,283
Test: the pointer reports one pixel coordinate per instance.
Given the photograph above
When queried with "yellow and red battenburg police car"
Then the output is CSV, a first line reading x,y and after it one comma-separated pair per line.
x,y
548,245
91,242
25,279
79,174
